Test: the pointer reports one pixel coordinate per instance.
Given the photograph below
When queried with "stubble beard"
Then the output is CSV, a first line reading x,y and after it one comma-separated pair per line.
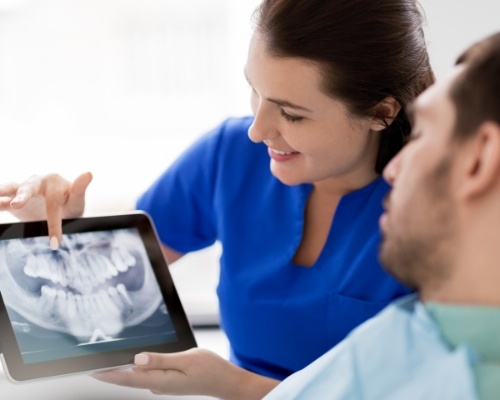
x,y
417,250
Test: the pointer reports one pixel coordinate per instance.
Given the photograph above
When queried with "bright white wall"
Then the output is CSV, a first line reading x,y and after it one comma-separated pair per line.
x,y
121,87
452,25
118,87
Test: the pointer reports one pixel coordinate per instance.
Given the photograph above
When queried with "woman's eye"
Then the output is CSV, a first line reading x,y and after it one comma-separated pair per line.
x,y
290,118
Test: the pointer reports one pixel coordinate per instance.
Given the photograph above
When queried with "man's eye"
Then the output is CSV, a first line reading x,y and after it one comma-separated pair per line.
x,y
413,136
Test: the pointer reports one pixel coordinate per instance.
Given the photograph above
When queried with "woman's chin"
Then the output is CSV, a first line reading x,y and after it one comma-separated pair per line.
x,y
288,180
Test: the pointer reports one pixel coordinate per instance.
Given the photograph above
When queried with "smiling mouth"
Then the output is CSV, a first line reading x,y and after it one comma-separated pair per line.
x,y
283,153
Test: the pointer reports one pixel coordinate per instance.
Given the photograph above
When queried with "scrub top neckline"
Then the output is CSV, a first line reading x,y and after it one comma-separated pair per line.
x,y
344,202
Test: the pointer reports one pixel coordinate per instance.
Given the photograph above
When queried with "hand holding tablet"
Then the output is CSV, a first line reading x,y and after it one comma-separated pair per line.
x,y
104,295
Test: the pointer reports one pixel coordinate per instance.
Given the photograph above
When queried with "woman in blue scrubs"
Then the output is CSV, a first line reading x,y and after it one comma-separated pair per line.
x,y
293,193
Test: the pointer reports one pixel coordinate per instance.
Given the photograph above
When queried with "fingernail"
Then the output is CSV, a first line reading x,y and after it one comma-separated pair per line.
x,y
141,359
54,244
18,199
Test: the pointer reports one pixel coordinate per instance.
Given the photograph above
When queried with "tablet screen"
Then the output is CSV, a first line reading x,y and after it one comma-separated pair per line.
x,y
104,292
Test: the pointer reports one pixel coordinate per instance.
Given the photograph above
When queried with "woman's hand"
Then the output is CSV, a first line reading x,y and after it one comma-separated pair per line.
x,y
49,197
192,372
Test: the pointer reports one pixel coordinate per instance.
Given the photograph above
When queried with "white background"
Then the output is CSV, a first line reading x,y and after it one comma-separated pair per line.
x,y
121,87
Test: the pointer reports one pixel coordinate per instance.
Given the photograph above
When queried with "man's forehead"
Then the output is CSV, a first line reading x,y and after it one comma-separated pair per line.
x,y
436,97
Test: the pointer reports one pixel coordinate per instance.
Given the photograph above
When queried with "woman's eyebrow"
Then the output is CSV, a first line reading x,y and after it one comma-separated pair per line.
x,y
282,103
287,104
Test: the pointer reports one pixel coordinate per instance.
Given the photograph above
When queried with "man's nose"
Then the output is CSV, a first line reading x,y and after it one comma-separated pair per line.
x,y
391,169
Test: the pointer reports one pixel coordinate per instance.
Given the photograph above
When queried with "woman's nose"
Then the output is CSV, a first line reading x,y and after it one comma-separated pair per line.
x,y
264,126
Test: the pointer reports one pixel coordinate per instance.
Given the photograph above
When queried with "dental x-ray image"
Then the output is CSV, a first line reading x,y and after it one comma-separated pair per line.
x,y
97,289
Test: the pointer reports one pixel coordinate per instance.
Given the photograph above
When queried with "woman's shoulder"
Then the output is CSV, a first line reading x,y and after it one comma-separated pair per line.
x,y
237,124
229,142
228,137
233,127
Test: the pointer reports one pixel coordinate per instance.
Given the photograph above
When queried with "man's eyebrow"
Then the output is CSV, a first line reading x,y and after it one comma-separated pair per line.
x,y
282,103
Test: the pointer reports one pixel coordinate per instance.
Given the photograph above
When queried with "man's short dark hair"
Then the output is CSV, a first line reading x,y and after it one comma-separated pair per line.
x,y
476,91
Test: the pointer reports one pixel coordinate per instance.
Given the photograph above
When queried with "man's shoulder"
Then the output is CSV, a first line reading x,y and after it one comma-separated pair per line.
x,y
401,351
401,314
403,327
398,354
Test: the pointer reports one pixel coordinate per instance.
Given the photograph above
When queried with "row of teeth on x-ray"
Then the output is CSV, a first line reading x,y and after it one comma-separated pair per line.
x,y
92,287
57,301
67,271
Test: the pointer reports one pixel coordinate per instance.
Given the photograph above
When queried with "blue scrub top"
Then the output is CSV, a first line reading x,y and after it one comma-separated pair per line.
x,y
278,316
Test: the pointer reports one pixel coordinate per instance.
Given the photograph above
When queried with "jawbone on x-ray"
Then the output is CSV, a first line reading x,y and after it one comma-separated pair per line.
x,y
94,286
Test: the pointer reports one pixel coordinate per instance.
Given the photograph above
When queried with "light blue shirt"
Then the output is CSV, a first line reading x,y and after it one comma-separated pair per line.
x,y
399,354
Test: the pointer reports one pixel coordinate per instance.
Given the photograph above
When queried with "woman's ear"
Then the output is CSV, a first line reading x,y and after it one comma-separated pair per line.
x,y
482,161
385,112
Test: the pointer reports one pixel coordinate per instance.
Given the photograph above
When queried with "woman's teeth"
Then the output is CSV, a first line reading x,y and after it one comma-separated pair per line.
x,y
282,153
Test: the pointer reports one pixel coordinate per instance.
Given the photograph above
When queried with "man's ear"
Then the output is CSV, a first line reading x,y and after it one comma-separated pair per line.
x,y
386,111
482,161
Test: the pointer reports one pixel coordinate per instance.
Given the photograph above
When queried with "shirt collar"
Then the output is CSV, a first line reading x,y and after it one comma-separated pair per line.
x,y
475,326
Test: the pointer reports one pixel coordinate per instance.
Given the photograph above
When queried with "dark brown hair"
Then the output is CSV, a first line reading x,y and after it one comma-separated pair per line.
x,y
368,50
476,91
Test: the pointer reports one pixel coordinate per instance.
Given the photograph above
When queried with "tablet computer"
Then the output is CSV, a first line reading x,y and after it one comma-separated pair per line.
x,y
103,296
